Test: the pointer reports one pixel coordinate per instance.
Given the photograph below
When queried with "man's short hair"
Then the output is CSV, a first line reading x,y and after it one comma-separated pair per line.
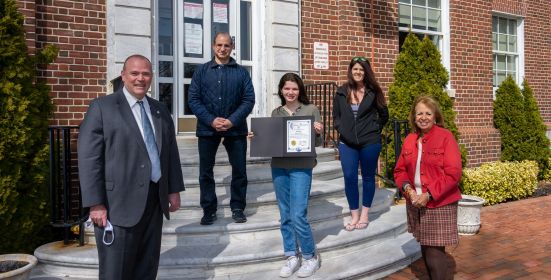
x,y
136,56
224,33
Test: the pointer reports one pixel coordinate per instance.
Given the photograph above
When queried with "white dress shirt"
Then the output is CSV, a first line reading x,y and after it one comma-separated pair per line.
x,y
135,107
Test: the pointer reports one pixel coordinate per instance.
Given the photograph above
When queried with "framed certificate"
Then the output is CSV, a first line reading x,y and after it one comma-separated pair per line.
x,y
283,137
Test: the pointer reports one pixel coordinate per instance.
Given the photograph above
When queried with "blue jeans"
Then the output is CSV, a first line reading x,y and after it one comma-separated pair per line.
x,y
236,146
292,189
350,159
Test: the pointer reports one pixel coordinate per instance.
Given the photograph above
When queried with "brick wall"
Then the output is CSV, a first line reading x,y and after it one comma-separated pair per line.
x,y
537,49
347,27
78,29
471,77
28,9
352,28
79,73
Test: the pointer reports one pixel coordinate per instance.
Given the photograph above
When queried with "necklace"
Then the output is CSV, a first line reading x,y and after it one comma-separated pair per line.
x,y
291,111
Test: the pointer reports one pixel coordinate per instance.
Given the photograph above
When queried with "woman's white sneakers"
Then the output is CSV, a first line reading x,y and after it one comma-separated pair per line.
x,y
291,265
307,269
310,266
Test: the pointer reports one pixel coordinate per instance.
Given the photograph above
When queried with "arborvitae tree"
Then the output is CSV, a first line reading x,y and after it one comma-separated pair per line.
x,y
535,131
24,111
419,71
407,72
510,120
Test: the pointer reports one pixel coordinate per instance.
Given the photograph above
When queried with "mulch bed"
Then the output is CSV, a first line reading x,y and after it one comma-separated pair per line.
x,y
544,188
6,266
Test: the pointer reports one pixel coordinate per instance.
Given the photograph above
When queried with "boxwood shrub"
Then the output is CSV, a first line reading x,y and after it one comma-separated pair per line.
x,y
501,181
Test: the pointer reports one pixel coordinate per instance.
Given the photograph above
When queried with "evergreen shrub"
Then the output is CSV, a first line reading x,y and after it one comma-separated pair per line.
x,y
24,111
501,181
535,132
419,71
517,117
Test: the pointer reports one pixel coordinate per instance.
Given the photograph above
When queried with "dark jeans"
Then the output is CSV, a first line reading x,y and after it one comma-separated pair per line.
x,y
236,146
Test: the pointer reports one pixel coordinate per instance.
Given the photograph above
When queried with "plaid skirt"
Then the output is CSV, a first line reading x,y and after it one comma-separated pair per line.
x,y
433,226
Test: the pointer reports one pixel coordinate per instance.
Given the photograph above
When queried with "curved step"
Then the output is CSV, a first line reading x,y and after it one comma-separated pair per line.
x,y
253,250
265,223
380,260
206,259
189,156
262,193
262,221
258,173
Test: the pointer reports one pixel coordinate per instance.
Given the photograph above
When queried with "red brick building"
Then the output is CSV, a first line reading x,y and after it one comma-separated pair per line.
x,y
481,42
78,75
477,40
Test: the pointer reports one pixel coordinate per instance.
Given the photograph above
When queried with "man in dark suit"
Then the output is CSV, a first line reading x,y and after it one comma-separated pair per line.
x,y
130,174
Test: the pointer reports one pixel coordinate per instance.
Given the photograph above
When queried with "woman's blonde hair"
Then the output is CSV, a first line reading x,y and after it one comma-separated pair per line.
x,y
432,104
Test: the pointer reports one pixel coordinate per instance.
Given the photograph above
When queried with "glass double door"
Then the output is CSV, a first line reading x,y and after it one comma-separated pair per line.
x,y
195,24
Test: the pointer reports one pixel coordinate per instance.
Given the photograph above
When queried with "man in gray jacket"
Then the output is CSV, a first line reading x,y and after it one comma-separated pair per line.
x,y
130,174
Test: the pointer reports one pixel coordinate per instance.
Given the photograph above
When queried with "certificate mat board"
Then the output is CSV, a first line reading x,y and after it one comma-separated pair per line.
x,y
283,137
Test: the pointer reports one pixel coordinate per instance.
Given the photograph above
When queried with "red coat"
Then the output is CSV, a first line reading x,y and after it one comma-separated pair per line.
x,y
440,166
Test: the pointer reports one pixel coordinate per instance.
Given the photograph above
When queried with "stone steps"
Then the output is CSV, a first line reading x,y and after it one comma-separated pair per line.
x,y
233,260
189,156
262,194
265,222
257,173
253,250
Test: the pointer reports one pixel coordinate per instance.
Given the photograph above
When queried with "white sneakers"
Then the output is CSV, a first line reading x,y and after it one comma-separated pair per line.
x,y
307,268
291,265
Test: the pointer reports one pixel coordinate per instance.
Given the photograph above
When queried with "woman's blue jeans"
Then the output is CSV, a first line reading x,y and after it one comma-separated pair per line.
x,y
367,157
292,189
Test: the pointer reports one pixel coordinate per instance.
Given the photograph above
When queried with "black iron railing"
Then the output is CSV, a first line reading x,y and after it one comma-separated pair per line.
x,y
321,95
65,201
395,130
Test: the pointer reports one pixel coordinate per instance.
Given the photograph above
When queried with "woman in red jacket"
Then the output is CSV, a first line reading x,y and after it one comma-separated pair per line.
x,y
428,172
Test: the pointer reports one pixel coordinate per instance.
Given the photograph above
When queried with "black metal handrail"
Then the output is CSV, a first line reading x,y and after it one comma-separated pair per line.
x,y
321,95
65,200
398,129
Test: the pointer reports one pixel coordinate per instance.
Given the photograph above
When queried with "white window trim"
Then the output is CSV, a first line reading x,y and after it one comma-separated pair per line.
x,y
520,47
444,43
178,59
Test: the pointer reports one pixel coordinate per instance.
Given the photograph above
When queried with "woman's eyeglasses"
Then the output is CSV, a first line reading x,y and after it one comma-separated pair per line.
x,y
359,58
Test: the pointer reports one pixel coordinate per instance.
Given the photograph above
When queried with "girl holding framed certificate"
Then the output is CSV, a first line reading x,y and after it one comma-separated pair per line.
x,y
292,178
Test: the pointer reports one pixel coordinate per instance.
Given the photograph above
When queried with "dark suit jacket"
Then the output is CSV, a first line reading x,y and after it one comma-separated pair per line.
x,y
114,167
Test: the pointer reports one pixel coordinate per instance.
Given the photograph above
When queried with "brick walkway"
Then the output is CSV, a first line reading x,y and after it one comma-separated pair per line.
x,y
513,243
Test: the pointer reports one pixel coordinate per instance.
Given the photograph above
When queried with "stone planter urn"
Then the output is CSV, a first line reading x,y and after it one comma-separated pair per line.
x,y
468,214
16,266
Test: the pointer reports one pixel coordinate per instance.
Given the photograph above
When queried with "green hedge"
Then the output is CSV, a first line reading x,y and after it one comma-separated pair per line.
x,y
501,181
522,130
419,71
25,108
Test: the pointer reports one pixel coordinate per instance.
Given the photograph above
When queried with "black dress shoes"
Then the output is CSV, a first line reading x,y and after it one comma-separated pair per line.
x,y
238,216
208,218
